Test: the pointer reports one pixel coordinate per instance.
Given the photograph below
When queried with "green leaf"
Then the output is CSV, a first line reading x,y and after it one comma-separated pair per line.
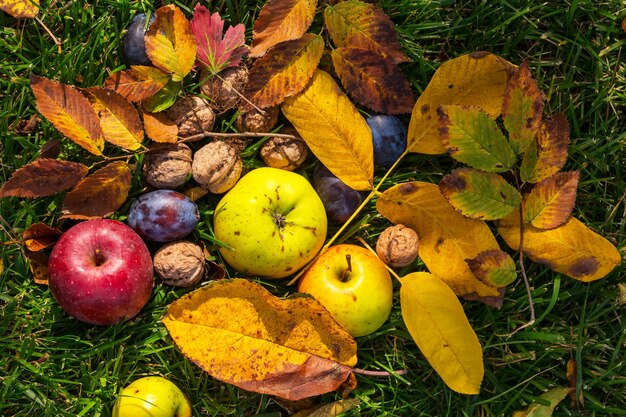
x,y
554,396
163,99
472,137
522,109
493,267
478,194
547,154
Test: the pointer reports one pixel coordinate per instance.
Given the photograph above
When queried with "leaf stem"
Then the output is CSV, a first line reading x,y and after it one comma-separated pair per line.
x,y
49,32
379,373
524,276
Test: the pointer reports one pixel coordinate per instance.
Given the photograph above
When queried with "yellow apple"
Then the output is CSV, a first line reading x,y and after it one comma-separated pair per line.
x,y
272,221
354,286
152,396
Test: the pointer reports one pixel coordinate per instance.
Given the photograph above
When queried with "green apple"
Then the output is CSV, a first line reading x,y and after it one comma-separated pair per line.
x,y
354,286
272,221
152,396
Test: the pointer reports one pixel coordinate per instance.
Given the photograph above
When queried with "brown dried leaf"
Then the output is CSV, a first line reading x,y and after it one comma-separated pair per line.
x,y
50,149
572,377
373,80
39,236
547,154
284,71
281,21
26,126
43,177
38,264
159,127
119,119
291,348
69,111
138,83
551,202
99,194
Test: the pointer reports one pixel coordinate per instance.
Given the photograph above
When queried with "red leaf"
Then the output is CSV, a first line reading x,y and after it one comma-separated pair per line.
x,y
214,51
42,178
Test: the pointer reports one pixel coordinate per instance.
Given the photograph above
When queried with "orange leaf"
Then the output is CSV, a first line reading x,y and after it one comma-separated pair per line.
x,y
69,111
373,80
281,21
291,348
42,178
20,8
170,45
362,25
119,119
99,194
551,202
138,83
159,127
38,264
284,71
547,154
39,236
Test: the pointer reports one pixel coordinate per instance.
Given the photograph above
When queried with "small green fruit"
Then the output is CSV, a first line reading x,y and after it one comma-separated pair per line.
x,y
152,396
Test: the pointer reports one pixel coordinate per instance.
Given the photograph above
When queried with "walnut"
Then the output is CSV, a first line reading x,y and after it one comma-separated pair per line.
x,y
284,153
217,166
397,246
257,122
180,263
193,115
222,91
167,166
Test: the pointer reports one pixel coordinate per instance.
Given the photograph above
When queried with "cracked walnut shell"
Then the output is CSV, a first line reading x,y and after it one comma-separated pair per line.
x,y
167,166
284,153
180,263
256,122
193,115
217,166
222,91
397,246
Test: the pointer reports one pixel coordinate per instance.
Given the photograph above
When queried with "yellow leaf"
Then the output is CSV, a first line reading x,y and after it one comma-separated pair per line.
x,y
571,249
554,396
550,203
240,334
138,83
69,111
334,130
478,79
20,8
119,119
170,45
436,321
447,238
333,409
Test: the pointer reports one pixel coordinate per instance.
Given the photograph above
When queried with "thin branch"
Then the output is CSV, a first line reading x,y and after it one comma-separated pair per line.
x,y
379,373
235,135
368,247
524,276
49,32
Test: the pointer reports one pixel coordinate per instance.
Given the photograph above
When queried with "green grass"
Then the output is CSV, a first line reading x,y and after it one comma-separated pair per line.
x,y
52,365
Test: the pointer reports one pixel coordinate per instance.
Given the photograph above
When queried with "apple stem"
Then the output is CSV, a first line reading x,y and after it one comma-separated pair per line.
x,y
345,275
99,258
379,373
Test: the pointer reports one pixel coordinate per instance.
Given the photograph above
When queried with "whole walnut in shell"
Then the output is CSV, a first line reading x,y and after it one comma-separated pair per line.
x,y
217,166
193,115
397,246
222,91
284,153
180,263
257,122
167,166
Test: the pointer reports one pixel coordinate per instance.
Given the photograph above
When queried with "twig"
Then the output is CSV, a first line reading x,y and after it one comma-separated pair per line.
x,y
524,276
56,41
379,373
368,247
6,226
241,95
235,135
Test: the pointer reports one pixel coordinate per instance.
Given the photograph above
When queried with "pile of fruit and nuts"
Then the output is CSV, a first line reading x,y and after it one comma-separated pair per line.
x,y
272,222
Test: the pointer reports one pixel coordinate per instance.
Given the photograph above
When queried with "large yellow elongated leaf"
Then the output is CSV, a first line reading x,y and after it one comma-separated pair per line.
x,y
281,21
334,130
284,71
69,111
363,25
447,238
20,8
436,321
551,202
373,80
119,119
138,83
478,79
547,154
571,249
170,45
241,334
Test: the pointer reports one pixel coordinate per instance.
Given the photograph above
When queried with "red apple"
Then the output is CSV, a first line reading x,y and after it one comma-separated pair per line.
x,y
100,272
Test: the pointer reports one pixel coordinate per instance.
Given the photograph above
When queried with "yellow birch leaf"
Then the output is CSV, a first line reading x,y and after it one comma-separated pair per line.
x,y
551,202
170,45
334,130
284,71
241,334
478,79
571,249
20,8
554,396
436,321
138,83
159,127
547,154
447,238
69,111
333,409
119,119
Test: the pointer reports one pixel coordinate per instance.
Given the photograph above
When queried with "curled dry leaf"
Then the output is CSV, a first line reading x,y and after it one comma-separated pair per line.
x,y
138,83
99,194
20,9
69,111
291,348
38,265
333,409
43,177
281,21
39,236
